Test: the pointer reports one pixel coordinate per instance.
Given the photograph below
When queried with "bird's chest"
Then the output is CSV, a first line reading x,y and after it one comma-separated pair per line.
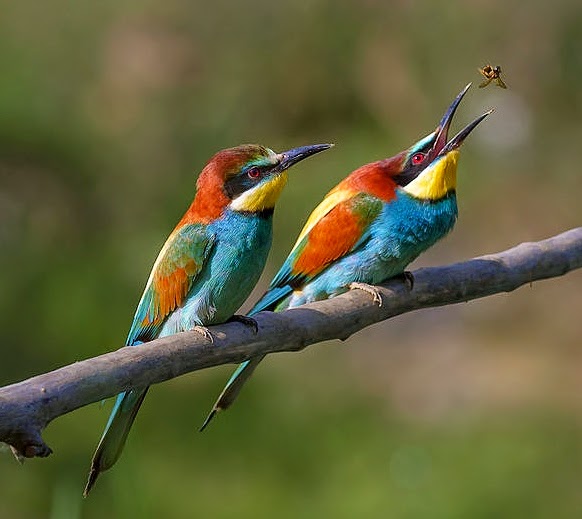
x,y
235,264
407,227
241,238
237,261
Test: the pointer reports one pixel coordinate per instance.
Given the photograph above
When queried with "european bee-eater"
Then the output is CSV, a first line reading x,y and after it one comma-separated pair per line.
x,y
367,230
208,265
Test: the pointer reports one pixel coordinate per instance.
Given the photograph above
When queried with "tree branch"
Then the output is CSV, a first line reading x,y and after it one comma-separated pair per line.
x,y
27,407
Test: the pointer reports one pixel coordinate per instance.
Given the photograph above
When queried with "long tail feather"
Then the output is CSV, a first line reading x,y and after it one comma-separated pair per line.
x,y
270,301
233,387
115,434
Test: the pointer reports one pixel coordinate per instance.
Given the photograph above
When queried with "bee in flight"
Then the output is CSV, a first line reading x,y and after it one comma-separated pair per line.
x,y
491,74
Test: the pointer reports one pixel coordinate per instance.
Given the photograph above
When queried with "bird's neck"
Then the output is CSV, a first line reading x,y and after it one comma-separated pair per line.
x,y
437,181
375,179
205,208
262,198
209,202
263,214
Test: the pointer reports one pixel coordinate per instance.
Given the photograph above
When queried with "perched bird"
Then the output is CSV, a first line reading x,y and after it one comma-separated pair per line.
x,y
208,265
367,229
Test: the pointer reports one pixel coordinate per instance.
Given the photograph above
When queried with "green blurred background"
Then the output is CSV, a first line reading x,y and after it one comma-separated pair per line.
x,y
107,112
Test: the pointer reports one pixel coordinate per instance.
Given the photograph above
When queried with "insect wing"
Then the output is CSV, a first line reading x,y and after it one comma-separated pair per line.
x,y
486,82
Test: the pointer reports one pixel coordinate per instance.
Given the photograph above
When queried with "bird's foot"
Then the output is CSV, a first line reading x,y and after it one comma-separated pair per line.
x,y
205,332
407,278
369,289
247,321
19,457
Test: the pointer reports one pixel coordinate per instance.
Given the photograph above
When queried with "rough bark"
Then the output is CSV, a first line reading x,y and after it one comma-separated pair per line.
x,y
28,406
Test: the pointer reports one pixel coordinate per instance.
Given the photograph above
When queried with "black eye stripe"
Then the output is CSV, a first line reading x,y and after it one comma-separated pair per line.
x,y
411,170
408,175
244,181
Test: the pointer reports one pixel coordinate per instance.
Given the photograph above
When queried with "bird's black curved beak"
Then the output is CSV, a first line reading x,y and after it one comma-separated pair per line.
x,y
442,129
458,139
441,145
290,157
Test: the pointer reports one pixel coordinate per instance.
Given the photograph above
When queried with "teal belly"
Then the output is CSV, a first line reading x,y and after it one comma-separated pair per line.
x,y
407,227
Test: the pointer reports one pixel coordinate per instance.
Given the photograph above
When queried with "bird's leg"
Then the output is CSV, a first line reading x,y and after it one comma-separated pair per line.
x,y
247,321
19,457
369,289
205,332
407,278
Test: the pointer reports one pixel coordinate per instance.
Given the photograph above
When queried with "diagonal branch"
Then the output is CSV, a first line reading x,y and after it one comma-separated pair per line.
x,y
27,407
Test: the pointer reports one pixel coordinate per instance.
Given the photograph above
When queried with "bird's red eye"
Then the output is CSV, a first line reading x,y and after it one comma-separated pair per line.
x,y
417,158
254,173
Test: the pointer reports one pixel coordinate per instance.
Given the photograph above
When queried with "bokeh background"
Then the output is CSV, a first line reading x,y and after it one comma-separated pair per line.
x,y
107,112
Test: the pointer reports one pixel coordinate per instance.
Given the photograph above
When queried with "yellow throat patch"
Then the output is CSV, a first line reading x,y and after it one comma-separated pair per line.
x,y
261,197
436,181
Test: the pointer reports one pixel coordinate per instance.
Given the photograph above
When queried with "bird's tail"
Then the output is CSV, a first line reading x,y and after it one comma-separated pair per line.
x,y
274,299
113,439
233,387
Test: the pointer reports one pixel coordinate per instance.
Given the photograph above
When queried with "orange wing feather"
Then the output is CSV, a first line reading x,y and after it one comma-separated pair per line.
x,y
175,270
332,237
340,222
171,289
335,234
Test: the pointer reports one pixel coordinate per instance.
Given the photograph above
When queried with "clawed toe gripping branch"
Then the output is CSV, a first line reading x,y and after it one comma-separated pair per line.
x,y
27,407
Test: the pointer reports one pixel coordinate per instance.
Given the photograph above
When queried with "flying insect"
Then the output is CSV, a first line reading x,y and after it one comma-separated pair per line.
x,y
492,74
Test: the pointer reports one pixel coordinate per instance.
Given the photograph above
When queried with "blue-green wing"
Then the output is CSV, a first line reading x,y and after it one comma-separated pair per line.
x,y
174,272
178,264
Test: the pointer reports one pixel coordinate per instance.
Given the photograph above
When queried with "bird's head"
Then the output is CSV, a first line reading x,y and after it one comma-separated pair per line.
x,y
428,169
248,178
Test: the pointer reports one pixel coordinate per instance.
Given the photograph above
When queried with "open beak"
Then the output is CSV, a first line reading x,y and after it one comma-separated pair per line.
x,y
442,129
458,139
441,145
290,157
